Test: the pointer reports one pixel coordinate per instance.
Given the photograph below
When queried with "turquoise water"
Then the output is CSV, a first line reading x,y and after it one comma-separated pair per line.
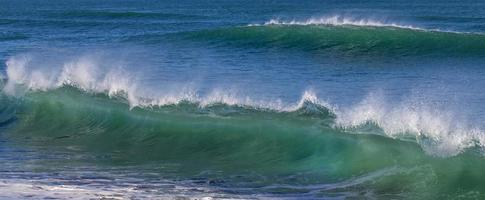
x,y
247,99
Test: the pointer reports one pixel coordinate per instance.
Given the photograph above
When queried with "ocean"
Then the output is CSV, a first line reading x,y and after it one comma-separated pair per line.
x,y
249,99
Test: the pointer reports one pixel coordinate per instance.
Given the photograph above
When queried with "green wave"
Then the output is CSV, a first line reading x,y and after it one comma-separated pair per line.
x,y
239,142
347,39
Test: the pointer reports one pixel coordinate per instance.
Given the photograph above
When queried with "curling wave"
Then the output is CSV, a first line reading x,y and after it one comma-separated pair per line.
x,y
436,131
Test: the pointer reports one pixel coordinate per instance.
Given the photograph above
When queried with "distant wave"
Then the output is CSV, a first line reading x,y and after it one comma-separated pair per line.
x,y
342,36
338,20
436,131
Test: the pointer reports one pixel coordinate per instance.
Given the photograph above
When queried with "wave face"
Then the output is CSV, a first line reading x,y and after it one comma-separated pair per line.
x,y
310,139
344,36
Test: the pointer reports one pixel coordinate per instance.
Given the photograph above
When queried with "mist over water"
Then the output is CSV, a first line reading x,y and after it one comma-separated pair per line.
x,y
242,99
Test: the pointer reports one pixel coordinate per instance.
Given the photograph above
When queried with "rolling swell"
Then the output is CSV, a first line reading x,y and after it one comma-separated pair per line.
x,y
355,38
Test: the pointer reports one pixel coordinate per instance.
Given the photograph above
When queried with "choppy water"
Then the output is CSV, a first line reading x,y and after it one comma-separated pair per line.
x,y
242,99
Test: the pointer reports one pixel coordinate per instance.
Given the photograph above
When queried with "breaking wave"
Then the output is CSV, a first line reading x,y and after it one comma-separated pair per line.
x,y
436,131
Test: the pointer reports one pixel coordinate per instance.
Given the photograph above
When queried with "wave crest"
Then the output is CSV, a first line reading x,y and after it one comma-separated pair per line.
x,y
337,20
88,74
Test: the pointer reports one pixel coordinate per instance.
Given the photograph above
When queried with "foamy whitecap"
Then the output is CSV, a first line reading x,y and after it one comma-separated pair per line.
x,y
438,131
84,73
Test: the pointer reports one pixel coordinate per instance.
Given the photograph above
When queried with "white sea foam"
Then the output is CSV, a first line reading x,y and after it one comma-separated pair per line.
x,y
28,189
